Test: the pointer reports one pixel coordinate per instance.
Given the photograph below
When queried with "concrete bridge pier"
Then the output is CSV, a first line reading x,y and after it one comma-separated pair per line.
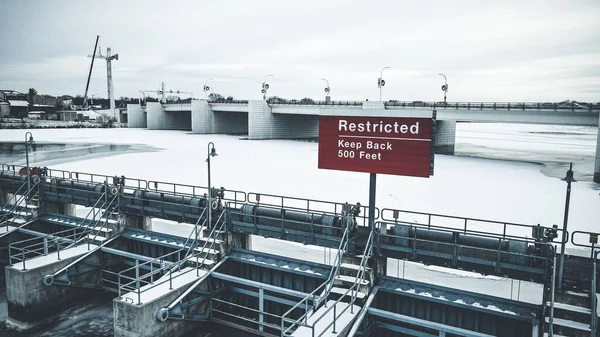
x,y
263,124
205,120
136,117
597,165
445,137
137,221
157,117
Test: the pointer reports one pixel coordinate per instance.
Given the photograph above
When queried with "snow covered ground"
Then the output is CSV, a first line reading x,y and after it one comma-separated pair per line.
x,y
504,190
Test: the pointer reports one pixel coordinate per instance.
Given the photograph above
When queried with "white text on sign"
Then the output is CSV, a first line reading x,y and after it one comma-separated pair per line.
x,y
343,125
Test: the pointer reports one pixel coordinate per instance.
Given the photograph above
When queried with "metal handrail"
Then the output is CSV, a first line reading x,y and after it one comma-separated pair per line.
x,y
25,197
465,222
574,234
412,238
490,235
92,211
14,206
161,259
594,304
362,272
338,207
190,249
40,248
170,267
95,226
316,300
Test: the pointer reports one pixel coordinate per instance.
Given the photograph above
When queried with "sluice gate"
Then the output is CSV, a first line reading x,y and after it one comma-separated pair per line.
x,y
211,276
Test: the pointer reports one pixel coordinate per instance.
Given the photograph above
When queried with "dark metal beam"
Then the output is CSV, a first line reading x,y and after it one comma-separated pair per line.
x,y
258,285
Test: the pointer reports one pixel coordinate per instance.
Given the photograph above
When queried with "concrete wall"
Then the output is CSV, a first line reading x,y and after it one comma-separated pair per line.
x,y
206,120
136,117
263,124
132,320
445,137
29,301
157,117
57,208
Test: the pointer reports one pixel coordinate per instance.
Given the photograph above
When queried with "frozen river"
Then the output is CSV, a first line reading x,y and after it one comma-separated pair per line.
x,y
523,191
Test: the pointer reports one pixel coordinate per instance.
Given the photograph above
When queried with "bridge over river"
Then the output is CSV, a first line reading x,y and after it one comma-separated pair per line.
x,y
262,119
165,285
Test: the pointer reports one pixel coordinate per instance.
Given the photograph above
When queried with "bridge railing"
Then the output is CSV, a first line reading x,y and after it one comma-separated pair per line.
x,y
313,206
495,105
488,228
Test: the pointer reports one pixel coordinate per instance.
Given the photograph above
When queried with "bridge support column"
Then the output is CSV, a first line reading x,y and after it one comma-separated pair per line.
x,y
597,166
263,124
30,302
157,117
243,241
140,320
205,120
136,117
202,117
138,221
57,208
445,137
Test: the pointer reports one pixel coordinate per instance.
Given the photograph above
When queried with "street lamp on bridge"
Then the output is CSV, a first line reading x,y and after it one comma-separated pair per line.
x,y
206,88
265,87
444,87
381,82
327,90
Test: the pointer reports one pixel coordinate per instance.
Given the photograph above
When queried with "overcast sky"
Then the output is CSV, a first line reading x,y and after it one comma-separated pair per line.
x,y
510,50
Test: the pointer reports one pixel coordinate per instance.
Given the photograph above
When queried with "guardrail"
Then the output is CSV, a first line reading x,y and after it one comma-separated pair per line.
x,y
594,312
127,284
4,221
457,252
350,292
316,300
494,229
591,243
313,206
23,250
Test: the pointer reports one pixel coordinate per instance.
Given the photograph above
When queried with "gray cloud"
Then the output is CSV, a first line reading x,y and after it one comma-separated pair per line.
x,y
490,50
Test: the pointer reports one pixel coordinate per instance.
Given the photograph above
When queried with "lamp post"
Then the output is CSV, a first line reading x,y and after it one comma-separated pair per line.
x,y
444,87
381,82
569,179
211,153
206,88
27,141
265,87
327,90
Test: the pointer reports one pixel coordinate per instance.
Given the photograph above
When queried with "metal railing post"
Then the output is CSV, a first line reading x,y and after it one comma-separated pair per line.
x,y
334,317
23,258
594,310
58,249
137,279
